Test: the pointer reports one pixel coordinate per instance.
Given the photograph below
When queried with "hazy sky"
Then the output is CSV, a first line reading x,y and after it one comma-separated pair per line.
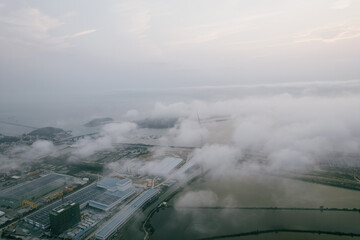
x,y
286,73
77,46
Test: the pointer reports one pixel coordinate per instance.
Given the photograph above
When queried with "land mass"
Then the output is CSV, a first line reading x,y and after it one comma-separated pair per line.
x,y
98,122
49,132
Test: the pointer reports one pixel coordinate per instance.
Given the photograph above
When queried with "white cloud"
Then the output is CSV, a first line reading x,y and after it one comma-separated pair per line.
x,y
219,159
70,14
83,33
31,19
16,156
132,115
330,34
220,27
136,16
341,4
288,132
34,151
110,134
198,198
30,27
188,133
140,24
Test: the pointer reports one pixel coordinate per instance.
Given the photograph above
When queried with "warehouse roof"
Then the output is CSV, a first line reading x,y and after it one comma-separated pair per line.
x,y
166,166
112,182
97,196
37,185
122,217
81,197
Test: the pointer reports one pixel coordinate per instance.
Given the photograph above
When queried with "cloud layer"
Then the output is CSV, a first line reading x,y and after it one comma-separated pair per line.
x,y
18,155
288,132
109,135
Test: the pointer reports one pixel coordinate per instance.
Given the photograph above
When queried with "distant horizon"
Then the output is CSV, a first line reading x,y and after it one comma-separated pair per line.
x,y
83,48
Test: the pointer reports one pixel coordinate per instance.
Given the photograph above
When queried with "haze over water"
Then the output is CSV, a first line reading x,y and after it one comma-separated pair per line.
x,y
72,110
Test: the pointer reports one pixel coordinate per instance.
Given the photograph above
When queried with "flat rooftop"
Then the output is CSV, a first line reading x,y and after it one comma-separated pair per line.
x,y
124,215
62,207
82,197
166,166
35,186
112,182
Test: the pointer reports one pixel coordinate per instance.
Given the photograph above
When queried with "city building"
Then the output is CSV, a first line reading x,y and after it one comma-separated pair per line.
x,y
64,217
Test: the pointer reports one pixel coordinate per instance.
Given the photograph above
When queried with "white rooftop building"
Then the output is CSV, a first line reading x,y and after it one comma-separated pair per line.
x,y
113,185
166,166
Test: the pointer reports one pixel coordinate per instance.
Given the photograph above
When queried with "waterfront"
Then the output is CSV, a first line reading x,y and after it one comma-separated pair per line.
x,y
182,222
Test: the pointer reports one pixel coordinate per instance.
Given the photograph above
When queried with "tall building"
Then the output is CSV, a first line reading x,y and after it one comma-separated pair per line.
x,y
64,217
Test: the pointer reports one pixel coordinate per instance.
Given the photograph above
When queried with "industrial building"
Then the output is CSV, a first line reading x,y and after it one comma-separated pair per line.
x,y
125,214
158,168
116,191
101,195
82,228
166,166
112,184
133,167
64,217
189,168
30,191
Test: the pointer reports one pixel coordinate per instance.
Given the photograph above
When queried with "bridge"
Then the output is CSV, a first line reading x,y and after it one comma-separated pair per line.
x,y
18,125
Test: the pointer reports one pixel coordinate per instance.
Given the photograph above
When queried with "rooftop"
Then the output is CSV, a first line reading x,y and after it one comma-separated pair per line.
x,y
123,216
113,182
166,166
81,197
62,207
98,196
37,185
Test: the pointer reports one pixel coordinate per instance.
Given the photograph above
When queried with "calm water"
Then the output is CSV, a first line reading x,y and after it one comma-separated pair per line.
x,y
294,236
192,224
267,191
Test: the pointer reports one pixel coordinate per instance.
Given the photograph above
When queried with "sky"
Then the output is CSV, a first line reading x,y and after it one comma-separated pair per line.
x,y
88,46
79,60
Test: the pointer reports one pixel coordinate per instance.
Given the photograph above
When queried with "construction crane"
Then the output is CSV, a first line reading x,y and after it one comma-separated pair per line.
x,y
55,195
31,204
70,188
33,173
61,193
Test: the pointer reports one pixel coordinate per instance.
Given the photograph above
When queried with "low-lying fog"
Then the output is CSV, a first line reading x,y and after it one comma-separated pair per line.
x,y
287,126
